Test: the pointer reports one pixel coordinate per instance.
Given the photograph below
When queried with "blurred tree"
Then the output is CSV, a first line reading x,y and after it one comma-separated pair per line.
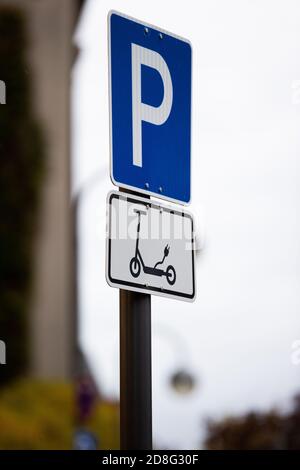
x,y
22,168
256,431
292,426
40,416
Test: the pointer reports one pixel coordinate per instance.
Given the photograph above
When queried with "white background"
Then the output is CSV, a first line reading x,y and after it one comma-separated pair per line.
x,y
237,337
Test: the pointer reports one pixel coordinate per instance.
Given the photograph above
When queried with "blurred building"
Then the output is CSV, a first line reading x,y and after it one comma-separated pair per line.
x,y
50,26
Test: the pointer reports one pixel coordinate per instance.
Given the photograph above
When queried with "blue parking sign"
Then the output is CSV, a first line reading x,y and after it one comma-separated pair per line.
x,y
150,109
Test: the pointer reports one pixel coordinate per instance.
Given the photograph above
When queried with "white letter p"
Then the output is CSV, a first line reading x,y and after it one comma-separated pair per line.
x,y
141,111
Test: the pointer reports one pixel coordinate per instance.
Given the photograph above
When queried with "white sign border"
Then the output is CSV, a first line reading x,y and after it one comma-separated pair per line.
x,y
147,289
116,183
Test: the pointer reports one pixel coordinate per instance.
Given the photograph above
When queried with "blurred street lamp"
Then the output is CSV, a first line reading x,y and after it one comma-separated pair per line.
x,y
182,380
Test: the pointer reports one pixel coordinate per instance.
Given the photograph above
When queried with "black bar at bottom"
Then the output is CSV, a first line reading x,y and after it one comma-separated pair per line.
x,y
135,371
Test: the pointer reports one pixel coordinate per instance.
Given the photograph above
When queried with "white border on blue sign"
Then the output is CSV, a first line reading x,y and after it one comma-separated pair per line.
x,y
116,183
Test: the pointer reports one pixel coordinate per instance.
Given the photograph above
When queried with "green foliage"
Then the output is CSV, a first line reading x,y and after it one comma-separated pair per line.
x,y
40,416
22,169
256,431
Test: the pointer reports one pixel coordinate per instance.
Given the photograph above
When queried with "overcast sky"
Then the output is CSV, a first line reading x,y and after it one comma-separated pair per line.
x,y
237,337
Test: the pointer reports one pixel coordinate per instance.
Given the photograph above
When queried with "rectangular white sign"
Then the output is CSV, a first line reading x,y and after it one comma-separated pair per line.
x,y
150,247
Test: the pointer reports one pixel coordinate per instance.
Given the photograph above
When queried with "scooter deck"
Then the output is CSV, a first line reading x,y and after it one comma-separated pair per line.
x,y
154,271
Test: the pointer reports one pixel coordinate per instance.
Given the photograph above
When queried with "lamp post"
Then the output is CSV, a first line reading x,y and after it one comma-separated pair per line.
x,y
182,380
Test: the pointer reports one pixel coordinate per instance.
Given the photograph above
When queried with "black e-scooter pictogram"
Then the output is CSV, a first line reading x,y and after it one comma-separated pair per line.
x,y
137,261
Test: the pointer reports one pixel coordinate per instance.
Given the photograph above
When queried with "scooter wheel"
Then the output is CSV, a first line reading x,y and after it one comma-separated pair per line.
x,y
171,275
135,267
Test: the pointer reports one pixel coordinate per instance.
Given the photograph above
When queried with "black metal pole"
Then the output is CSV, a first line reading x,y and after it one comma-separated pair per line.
x,y
135,371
